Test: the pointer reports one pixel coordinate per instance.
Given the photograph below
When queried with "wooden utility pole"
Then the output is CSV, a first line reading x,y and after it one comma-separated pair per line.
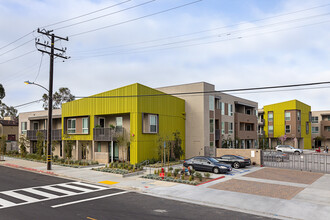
x,y
52,54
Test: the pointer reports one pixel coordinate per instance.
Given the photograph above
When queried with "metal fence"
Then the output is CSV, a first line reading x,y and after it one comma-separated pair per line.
x,y
313,162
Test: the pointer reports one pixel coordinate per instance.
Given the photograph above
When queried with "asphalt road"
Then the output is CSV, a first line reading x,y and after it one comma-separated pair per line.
x,y
60,198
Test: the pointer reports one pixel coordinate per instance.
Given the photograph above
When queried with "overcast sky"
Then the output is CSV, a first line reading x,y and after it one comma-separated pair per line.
x,y
229,43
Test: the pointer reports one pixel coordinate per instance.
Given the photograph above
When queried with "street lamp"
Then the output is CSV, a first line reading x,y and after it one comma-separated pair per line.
x,y
50,116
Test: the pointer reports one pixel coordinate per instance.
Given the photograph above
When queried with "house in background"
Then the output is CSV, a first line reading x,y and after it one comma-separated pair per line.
x,y
9,130
215,119
321,128
33,125
289,120
122,124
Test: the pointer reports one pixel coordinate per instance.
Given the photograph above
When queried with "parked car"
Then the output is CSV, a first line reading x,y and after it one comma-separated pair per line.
x,y
275,156
235,161
288,149
208,164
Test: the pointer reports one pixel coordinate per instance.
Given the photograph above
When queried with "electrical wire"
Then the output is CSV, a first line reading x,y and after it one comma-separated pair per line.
x,y
42,55
83,15
16,40
33,51
102,16
135,19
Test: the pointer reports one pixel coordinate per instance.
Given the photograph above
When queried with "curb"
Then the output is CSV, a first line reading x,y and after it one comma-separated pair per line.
x,y
221,177
29,169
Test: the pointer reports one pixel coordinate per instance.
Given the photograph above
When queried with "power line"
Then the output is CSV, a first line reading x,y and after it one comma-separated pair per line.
x,y
135,19
16,47
16,40
17,106
102,16
211,92
83,15
33,51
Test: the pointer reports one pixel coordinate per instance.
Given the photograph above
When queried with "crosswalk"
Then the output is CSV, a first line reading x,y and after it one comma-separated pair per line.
x,y
34,194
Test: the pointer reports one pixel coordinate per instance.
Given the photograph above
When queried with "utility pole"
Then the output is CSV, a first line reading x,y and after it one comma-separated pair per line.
x,y
52,54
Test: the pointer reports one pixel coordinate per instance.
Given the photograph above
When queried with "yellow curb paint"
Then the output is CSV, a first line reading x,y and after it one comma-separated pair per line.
x,y
91,218
108,182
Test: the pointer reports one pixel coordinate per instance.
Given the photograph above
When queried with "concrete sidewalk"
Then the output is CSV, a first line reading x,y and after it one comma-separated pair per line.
x,y
312,202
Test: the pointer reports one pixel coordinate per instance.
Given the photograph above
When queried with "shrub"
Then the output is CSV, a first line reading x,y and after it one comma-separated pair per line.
x,y
169,174
199,176
191,178
170,169
207,175
182,176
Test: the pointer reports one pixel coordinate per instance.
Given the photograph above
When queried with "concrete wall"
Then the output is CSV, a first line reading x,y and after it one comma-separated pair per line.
x,y
242,152
102,157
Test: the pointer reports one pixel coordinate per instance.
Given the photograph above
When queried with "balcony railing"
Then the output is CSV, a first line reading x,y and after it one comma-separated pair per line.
x,y
106,134
56,134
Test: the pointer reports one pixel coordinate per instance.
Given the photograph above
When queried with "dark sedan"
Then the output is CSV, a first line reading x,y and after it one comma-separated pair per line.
x,y
208,164
235,161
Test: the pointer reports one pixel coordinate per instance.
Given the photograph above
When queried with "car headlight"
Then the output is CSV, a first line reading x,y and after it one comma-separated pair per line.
x,y
223,167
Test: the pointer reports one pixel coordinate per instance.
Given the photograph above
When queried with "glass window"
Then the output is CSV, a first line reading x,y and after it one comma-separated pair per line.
x,y
299,128
211,144
287,128
287,116
71,126
270,128
98,147
315,119
211,126
231,128
211,102
222,127
119,121
307,128
230,110
327,128
298,115
315,130
328,116
222,108
85,125
23,127
153,123
270,116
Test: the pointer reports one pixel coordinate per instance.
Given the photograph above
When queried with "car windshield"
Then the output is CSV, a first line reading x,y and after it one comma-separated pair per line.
x,y
240,157
213,160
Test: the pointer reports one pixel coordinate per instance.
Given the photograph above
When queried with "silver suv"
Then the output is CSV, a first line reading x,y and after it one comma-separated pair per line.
x,y
288,149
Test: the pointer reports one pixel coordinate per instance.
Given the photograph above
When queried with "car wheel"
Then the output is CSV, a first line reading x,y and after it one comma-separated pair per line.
x,y
190,167
216,170
297,153
236,165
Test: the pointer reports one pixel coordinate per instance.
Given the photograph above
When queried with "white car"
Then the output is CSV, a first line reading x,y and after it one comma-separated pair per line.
x,y
288,149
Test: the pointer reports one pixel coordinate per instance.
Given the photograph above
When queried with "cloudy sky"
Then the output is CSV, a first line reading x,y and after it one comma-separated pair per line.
x,y
112,43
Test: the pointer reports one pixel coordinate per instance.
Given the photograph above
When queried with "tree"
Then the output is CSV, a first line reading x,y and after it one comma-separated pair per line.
x,y
2,92
4,109
40,143
23,141
68,146
178,151
63,95
3,144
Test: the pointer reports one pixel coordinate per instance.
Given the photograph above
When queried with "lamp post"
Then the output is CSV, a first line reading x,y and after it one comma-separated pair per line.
x,y
50,114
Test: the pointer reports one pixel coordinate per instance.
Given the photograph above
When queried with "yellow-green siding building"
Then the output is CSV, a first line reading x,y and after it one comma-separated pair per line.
x,y
289,121
122,124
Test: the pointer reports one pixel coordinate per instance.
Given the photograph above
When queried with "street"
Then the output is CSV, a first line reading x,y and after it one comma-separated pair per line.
x,y
27,195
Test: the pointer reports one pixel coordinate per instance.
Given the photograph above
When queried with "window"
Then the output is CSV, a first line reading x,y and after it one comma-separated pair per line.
x,y
230,109
287,116
328,117
270,116
71,126
24,127
299,128
248,111
315,119
211,144
327,128
270,129
249,127
211,126
101,122
119,123
307,128
222,108
222,127
85,125
315,130
231,128
36,126
153,123
211,102
287,128
298,115
98,147
218,104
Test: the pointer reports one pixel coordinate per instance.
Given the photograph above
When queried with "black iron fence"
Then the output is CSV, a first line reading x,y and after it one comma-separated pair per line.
x,y
313,162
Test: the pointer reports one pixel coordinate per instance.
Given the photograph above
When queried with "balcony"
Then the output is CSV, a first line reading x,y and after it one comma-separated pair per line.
x,y
56,134
261,122
324,131
240,117
106,134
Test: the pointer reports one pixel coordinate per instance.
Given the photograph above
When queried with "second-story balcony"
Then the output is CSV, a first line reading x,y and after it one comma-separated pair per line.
x,y
240,117
261,122
106,134
33,136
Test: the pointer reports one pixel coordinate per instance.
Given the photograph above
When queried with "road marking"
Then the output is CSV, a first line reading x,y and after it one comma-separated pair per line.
x,y
89,199
91,218
52,193
108,182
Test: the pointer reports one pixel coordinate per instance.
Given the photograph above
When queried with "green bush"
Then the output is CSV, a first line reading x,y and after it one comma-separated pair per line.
x,y
169,174
199,176
182,176
207,175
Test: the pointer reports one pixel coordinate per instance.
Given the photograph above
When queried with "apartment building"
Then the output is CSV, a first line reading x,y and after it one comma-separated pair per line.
x,y
289,121
122,124
9,130
320,128
33,125
215,119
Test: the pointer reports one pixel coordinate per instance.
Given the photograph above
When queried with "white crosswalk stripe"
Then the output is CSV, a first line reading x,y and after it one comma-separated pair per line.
x,y
51,192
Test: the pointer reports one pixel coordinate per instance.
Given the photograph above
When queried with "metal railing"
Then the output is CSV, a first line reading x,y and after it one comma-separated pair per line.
x,y
56,134
313,162
106,134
